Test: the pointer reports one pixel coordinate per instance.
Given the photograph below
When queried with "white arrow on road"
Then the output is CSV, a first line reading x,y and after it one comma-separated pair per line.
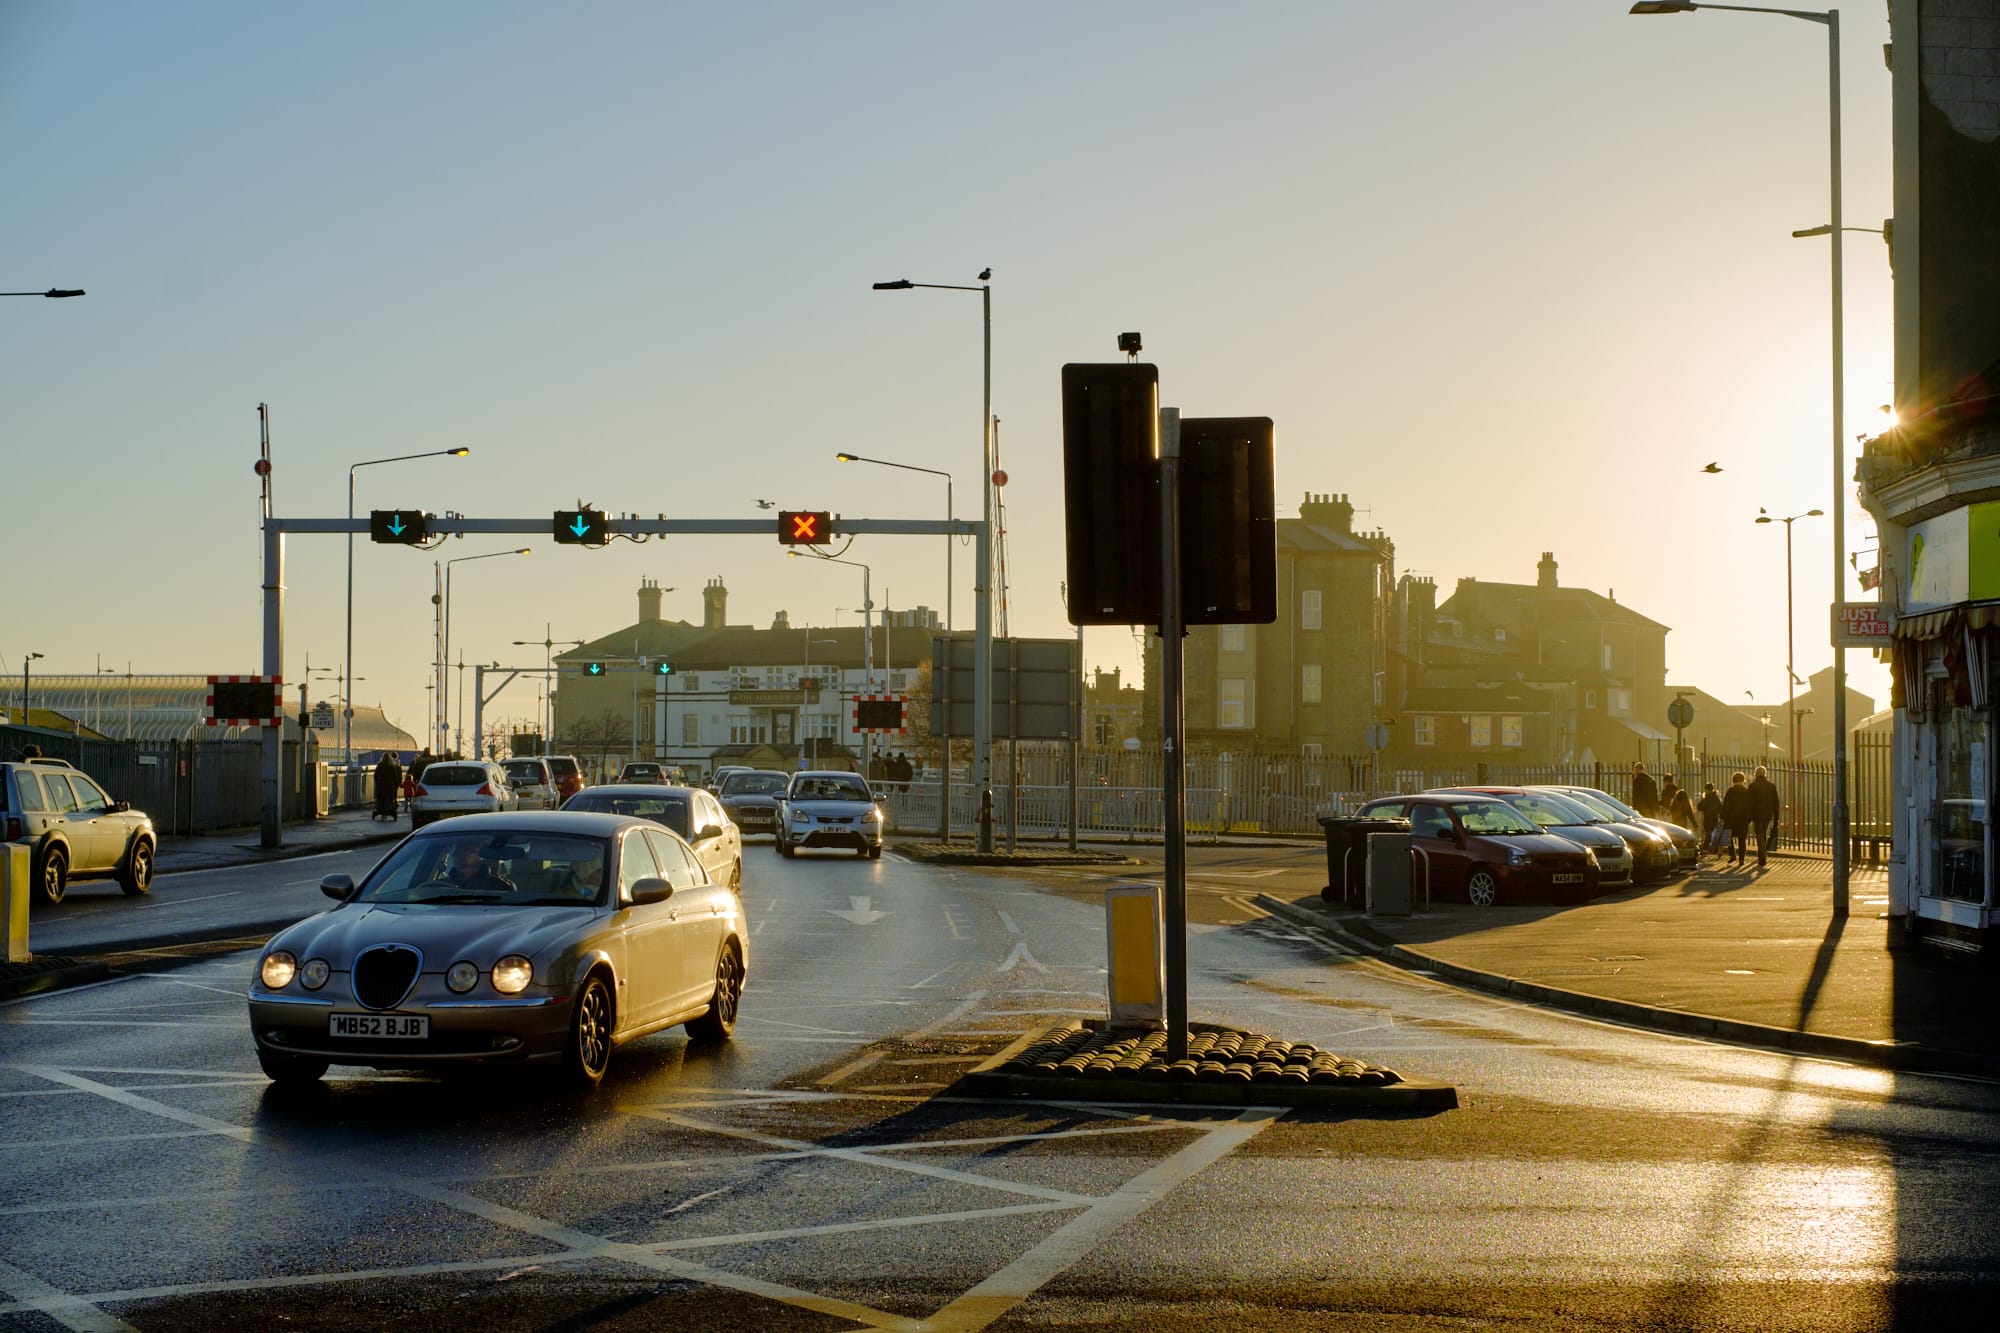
x,y
859,912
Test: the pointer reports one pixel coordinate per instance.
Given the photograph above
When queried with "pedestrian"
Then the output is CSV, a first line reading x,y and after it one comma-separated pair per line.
x,y
906,772
1712,831
1645,792
1736,814
1667,793
1681,810
388,782
1764,807
30,752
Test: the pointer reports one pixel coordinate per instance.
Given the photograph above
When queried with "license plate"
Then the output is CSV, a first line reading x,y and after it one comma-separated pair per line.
x,y
1571,877
407,1027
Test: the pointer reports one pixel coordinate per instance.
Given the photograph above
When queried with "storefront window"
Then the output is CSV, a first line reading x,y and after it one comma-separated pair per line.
x,y
1961,817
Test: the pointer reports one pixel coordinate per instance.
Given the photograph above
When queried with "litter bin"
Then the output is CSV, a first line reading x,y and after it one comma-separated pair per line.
x,y
1347,853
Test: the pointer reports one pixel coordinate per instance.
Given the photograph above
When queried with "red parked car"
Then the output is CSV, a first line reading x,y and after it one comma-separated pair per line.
x,y
1486,851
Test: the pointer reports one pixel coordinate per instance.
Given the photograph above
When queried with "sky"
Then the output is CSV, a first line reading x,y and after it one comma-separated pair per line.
x,y
1507,275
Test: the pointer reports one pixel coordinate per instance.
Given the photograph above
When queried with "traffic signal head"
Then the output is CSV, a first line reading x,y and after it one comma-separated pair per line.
x,y
593,668
804,527
663,668
1111,482
399,527
1229,526
580,527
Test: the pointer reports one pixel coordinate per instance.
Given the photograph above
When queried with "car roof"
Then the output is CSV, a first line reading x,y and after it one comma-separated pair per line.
x,y
652,791
1443,798
1479,791
825,773
588,823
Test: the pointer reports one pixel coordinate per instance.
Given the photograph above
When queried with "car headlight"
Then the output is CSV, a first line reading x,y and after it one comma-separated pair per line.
x,y
512,974
314,974
1590,858
801,817
462,976
1517,857
279,969
873,813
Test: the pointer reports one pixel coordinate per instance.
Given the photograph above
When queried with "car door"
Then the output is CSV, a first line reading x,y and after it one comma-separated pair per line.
x,y
717,854
1433,833
87,822
655,978
700,921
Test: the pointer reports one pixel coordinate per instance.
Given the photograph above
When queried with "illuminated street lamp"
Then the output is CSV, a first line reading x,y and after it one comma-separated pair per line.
x,y
1830,19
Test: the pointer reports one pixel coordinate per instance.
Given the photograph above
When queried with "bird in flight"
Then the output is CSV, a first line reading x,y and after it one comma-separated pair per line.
x,y
1713,467
767,504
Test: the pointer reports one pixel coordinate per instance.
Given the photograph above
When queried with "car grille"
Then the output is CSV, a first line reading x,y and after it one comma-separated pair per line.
x,y
383,975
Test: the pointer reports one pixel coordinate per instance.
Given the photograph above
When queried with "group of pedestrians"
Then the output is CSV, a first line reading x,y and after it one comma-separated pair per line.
x,y
891,772
1728,819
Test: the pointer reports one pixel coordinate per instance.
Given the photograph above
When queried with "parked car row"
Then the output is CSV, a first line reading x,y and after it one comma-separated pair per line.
x,y
1503,844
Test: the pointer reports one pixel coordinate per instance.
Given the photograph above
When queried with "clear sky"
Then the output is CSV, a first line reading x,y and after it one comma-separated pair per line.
x,y
1508,275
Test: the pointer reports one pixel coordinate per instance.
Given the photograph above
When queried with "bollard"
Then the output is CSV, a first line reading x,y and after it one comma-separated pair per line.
x,y
1135,976
16,883
986,820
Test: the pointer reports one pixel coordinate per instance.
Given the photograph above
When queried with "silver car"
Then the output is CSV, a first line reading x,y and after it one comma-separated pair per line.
x,y
829,808
73,828
548,937
461,787
534,785
688,811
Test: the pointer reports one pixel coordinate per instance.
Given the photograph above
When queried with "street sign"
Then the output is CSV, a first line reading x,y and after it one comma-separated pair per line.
x,y
579,527
244,701
322,716
399,527
1862,625
878,712
1378,737
804,527
1037,688
1680,714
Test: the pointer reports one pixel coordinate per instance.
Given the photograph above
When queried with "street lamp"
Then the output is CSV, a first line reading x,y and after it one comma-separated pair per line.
x,y
982,643
24,686
347,662
459,731
55,293
547,643
1831,20
805,675
867,629
1791,675
949,541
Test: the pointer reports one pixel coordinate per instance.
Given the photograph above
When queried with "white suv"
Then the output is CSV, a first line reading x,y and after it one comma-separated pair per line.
x,y
73,828
532,782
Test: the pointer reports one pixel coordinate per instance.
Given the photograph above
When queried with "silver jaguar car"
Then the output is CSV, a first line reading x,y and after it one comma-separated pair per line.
x,y
547,937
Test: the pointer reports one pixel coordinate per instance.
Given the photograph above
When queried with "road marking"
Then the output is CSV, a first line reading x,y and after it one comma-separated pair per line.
x,y
207,897
951,923
67,1310
858,911
1019,956
196,985
919,985
1055,1255
1008,922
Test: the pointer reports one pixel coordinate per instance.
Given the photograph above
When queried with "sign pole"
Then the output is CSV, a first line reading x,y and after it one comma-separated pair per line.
x,y
1173,778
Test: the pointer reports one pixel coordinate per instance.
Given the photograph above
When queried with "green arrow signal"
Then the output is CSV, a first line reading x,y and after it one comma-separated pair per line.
x,y
594,669
397,526
579,527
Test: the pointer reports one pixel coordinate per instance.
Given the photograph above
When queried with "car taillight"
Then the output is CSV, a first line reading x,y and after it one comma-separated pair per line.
x,y
421,791
13,828
485,789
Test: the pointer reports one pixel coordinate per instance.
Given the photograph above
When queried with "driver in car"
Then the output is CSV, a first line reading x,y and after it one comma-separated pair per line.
x,y
469,870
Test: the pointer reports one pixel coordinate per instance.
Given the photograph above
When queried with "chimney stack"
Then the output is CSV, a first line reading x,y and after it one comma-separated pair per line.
x,y
649,600
714,605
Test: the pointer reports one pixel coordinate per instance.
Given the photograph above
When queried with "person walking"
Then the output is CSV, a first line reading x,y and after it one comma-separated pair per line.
x,y
1681,810
1711,816
1736,814
388,784
1764,807
1645,792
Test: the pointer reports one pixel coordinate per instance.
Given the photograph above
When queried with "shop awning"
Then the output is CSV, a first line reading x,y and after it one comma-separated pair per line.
x,y
1936,624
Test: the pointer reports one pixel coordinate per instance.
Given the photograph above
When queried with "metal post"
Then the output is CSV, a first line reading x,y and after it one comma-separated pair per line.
x,y
274,657
1840,866
478,710
982,644
1173,790
1791,672
347,655
1013,745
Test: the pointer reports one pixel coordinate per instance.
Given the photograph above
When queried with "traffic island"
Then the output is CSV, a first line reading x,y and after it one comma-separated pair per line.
x,y
29,976
967,854
1089,1061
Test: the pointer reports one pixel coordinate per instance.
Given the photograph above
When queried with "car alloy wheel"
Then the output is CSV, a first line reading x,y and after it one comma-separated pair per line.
x,y
588,1054
720,1021
137,876
1482,888
54,881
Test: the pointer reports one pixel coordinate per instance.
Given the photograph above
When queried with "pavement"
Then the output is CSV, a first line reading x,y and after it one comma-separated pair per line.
x,y
1746,955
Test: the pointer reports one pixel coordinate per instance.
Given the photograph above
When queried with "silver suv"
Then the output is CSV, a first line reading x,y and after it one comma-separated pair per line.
x,y
73,829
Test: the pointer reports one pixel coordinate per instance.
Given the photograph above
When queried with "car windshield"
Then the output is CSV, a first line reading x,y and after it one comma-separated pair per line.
x,y
1619,808
520,772
1545,809
1604,810
669,810
754,784
492,868
453,775
563,768
829,789
642,770
1494,817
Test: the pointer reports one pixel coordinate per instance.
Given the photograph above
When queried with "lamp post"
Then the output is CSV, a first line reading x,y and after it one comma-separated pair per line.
x,y
1791,674
867,631
347,661
547,643
982,643
1830,19
949,541
97,694
458,732
24,686
805,674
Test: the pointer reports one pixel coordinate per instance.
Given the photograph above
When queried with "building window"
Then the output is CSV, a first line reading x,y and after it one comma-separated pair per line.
x,y
1310,749
1607,657
1590,699
1309,609
1423,729
690,729
1230,703
1499,634
1482,732
1232,638
1103,733
690,683
1618,702
1309,684
1510,733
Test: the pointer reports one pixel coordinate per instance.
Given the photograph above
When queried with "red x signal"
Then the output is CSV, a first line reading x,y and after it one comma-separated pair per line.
x,y
804,527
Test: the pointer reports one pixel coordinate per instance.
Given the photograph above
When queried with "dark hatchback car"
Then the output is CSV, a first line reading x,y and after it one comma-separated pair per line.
x,y
750,796
1485,851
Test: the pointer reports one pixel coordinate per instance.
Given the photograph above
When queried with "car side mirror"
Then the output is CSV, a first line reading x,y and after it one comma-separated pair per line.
x,y
651,889
708,831
120,807
337,886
